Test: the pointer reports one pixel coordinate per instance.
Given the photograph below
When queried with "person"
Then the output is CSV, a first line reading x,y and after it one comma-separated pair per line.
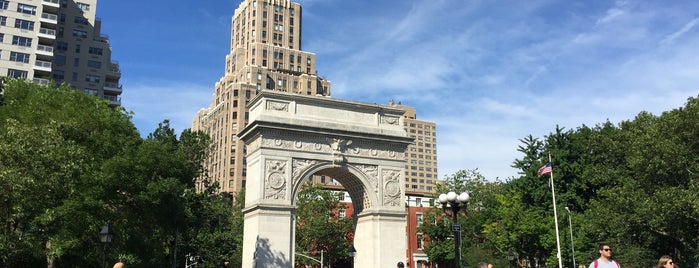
x,y
482,265
119,265
490,265
401,265
666,262
605,258
425,264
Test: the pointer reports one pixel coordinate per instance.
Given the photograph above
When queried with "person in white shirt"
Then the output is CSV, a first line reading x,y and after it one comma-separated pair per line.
x,y
605,258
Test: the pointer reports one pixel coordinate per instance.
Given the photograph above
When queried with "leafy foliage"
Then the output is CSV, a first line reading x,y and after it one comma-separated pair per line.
x,y
319,226
69,163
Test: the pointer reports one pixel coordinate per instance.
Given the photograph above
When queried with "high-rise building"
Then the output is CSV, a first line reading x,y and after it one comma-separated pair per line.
x,y
421,166
265,53
59,40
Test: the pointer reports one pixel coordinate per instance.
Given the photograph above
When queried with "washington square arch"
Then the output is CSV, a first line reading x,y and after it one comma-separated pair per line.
x,y
291,137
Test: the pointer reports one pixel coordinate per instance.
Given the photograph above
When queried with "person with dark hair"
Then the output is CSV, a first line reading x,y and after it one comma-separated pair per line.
x,y
666,262
425,264
401,265
605,258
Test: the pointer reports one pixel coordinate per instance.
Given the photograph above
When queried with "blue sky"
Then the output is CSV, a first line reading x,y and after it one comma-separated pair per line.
x,y
487,72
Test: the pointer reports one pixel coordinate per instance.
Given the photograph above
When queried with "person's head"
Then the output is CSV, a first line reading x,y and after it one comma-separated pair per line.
x,y
482,265
490,265
425,264
666,262
582,266
400,264
605,250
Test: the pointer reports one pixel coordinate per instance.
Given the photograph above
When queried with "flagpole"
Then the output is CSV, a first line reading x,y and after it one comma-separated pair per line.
x,y
555,216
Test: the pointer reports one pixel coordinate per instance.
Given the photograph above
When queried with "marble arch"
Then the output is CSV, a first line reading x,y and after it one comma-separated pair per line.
x,y
291,137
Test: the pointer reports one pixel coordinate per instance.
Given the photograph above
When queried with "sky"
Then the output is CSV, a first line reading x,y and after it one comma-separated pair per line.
x,y
487,72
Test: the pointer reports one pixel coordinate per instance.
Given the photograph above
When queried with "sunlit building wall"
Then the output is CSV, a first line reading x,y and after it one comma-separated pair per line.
x,y
60,41
265,53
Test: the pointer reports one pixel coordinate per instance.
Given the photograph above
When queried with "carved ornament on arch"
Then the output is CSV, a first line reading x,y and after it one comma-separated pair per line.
x,y
294,141
390,120
299,166
338,147
277,106
391,187
372,173
275,179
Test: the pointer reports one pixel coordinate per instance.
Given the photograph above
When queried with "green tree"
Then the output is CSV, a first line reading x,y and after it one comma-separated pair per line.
x,y
473,219
631,185
69,163
51,144
319,226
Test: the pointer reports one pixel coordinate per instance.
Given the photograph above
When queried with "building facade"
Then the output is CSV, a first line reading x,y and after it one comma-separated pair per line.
x,y
265,53
421,166
60,41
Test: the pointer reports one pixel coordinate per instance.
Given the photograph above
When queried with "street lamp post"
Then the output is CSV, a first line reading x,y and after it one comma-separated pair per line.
x,y
106,236
572,245
352,253
455,203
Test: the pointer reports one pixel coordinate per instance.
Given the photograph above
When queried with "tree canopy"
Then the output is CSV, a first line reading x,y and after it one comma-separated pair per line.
x,y
70,163
633,185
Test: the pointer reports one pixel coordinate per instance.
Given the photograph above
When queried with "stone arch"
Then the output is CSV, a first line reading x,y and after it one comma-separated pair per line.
x,y
355,180
292,137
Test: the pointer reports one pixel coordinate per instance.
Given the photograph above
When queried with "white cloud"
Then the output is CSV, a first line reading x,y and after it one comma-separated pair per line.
x,y
686,28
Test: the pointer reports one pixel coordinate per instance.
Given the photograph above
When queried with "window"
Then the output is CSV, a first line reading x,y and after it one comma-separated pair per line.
x,y
61,46
21,41
91,91
19,57
95,51
3,20
94,64
26,9
81,20
92,78
77,48
2,37
58,75
79,34
59,60
16,73
76,62
420,241
75,77
418,217
23,24
4,4
82,6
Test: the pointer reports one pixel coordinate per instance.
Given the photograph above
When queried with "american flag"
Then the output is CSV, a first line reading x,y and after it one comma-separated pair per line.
x,y
546,169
